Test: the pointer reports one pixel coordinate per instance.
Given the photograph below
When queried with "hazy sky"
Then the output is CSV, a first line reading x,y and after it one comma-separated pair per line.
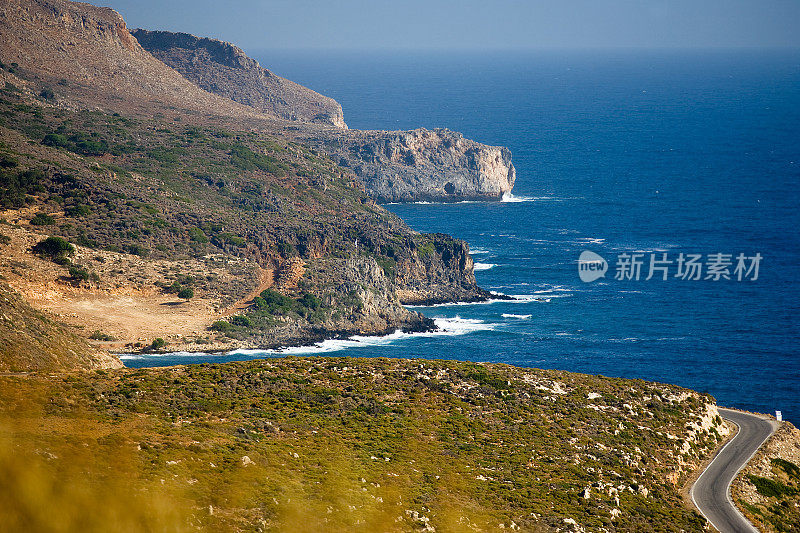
x,y
475,24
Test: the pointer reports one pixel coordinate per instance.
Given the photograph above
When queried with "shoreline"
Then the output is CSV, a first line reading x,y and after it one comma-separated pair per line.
x,y
314,337
321,345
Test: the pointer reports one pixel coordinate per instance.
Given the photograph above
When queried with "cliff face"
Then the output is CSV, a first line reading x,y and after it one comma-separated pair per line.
x,y
224,69
438,165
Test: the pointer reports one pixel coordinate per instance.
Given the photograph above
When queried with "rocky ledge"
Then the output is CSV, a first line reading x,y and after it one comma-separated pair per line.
x,y
423,165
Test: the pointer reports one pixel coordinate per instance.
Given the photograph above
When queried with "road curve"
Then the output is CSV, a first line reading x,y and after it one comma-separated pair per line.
x,y
711,493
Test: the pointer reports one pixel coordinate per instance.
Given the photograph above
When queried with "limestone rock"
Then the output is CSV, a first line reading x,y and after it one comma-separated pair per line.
x,y
423,165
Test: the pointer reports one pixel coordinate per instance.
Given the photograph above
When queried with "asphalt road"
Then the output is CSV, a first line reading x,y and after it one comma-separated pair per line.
x,y
711,491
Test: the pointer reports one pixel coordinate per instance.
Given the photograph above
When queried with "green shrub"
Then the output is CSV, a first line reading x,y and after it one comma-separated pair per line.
x,y
42,219
79,210
770,487
276,303
47,93
241,320
15,185
186,293
228,238
285,249
56,140
56,249
158,343
80,143
78,273
791,469
310,301
100,336
197,235
221,326
136,249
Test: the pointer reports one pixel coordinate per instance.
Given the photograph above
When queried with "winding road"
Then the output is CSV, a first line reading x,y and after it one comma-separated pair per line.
x,y
711,493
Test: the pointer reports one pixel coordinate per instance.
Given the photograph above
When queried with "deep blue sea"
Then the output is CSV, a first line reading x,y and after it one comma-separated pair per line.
x,y
616,153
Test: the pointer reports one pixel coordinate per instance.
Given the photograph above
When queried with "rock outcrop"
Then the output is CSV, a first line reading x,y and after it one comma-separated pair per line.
x,y
423,165
440,271
224,69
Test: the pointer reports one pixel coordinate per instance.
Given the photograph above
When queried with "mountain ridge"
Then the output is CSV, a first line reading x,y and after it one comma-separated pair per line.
x,y
224,69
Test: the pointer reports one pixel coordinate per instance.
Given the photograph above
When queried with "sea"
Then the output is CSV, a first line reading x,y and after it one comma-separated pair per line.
x,y
684,162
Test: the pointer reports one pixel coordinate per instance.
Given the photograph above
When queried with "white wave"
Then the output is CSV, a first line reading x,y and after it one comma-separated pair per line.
x,y
141,356
590,240
512,315
423,202
475,251
527,298
446,327
554,288
484,266
508,197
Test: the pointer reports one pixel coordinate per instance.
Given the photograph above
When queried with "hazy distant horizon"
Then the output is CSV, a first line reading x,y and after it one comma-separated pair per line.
x,y
470,25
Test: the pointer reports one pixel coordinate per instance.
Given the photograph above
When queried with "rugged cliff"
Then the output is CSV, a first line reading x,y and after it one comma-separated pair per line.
x,y
272,238
438,165
396,166
224,69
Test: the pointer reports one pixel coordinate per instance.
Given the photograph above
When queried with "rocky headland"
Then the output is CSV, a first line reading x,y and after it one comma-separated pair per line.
x,y
422,165
393,166
138,165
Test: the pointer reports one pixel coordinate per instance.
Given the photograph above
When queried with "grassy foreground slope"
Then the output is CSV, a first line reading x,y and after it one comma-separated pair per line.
x,y
326,444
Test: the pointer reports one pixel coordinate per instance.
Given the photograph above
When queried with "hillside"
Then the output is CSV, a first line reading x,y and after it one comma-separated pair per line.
x,y
342,444
86,56
156,205
224,69
767,490
31,341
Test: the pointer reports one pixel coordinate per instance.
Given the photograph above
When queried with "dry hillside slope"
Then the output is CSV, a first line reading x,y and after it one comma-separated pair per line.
x,y
87,52
30,341
224,69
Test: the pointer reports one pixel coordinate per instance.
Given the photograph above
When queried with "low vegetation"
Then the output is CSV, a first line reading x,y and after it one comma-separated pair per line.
x,y
342,444
777,505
